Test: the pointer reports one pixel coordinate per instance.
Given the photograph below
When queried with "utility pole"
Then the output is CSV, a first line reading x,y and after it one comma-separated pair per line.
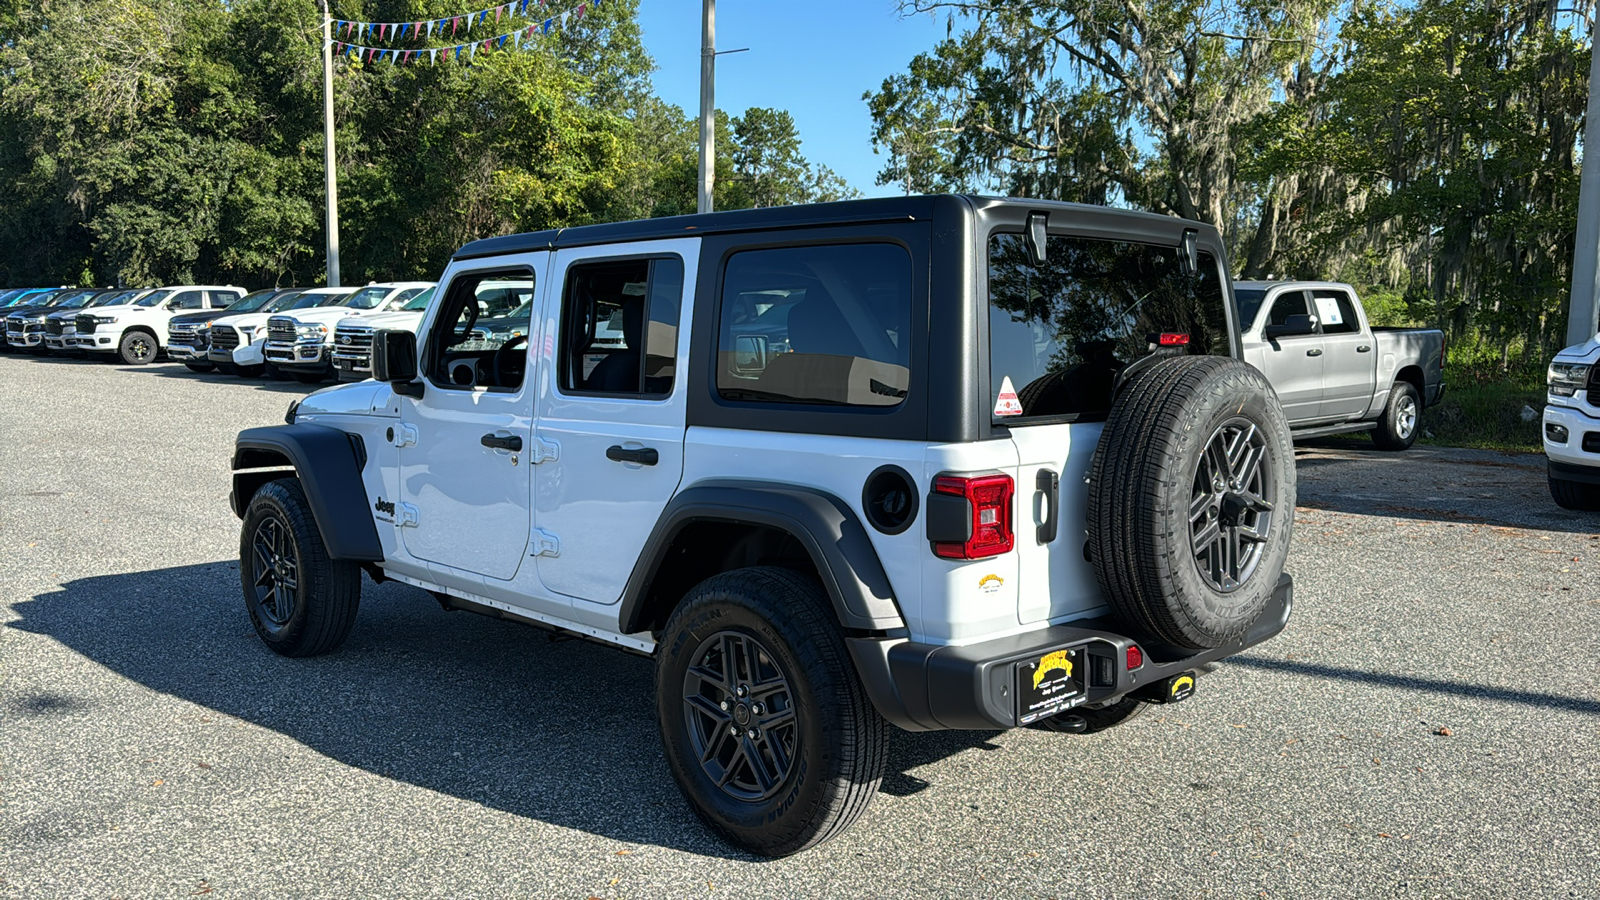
x,y
708,103
327,144
1583,315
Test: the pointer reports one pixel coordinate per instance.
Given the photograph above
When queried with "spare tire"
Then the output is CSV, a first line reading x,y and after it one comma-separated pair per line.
x,y
1191,500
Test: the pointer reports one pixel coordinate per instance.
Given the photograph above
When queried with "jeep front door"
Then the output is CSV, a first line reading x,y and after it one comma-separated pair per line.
x,y
610,412
465,481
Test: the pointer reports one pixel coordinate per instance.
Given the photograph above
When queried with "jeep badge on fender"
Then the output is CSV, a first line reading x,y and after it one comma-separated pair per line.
x,y
921,463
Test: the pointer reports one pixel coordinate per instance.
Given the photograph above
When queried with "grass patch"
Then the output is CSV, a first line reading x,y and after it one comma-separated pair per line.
x,y
1484,411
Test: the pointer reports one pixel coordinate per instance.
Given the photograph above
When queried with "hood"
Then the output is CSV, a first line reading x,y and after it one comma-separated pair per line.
x,y
257,319
1588,351
396,319
318,315
126,309
195,317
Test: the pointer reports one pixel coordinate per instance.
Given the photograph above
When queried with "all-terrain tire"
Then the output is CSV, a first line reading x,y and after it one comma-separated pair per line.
x,y
1575,495
138,348
764,641
1191,500
199,367
301,602
1087,720
1401,420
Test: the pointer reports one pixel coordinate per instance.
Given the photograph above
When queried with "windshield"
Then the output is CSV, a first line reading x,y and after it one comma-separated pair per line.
x,y
283,301
249,303
331,299
155,298
7,296
75,301
1249,302
420,301
369,297
112,298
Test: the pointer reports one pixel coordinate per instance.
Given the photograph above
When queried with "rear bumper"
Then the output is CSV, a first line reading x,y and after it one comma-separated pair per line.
x,y
927,687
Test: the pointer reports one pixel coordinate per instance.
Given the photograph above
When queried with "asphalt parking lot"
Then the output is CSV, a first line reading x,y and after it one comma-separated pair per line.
x,y
1427,726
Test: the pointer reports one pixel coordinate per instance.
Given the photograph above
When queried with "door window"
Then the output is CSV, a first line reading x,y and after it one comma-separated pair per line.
x,y
188,300
479,339
1289,303
619,332
822,325
1336,312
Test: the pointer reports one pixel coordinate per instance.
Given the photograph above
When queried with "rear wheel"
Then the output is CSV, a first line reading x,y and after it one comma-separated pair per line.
x,y
301,602
1575,495
1191,500
138,348
1397,427
765,726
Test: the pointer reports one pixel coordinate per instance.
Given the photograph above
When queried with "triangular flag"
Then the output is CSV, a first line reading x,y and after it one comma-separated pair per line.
x,y
497,14
582,8
453,23
547,24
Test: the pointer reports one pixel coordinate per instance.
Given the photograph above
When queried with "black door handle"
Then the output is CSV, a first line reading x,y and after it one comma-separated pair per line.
x,y
1315,352
646,456
1363,348
1049,484
497,442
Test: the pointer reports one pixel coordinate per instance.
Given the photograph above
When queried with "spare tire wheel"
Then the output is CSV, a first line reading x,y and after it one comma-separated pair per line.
x,y
1191,500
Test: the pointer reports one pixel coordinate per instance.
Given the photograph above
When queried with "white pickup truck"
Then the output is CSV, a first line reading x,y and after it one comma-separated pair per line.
x,y
1572,426
1333,371
135,332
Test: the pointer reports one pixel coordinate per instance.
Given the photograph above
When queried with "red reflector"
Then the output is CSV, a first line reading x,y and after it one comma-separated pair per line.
x,y
1135,657
1174,340
989,503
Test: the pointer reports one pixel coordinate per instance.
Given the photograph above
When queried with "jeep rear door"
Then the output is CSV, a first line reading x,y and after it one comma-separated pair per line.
x,y
610,412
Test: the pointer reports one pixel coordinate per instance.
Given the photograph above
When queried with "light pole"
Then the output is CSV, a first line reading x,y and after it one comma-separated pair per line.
x,y
1583,316
327,144
708,103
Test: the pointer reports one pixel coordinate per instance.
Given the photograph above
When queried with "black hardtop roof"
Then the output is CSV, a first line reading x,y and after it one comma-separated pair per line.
x,y
844,212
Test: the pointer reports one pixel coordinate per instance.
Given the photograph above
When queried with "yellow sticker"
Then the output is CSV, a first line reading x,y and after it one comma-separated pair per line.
x,y
1053,662
1180,685
990,584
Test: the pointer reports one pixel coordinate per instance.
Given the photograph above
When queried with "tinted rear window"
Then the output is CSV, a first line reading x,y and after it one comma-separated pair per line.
x,y
822,324
1063,332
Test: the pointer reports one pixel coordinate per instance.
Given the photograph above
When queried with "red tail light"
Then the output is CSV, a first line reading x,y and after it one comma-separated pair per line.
x,y
1135,656
989,501
1174,340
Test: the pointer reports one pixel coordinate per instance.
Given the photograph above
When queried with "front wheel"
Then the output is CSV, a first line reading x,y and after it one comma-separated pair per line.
x,y
301,602
1397,427
1575,495
138,348
765,726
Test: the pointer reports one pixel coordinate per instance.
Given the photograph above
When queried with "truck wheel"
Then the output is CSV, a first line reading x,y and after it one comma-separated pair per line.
x,y
1088,720
199,367
1575,495
1397,427
765,727
1191,500
137,348
301,602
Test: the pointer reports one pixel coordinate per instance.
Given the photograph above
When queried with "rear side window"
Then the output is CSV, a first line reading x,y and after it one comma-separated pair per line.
x,y
1062,333
1336,312
821,325
620,327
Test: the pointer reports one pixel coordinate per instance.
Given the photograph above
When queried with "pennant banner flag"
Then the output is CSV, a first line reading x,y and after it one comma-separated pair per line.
x,y
385,32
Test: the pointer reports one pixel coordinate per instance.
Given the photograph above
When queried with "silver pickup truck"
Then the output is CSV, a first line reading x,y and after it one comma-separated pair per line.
x,y
1334,372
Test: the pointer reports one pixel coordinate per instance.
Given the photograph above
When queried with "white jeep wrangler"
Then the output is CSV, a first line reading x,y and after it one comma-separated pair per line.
x,y
930,462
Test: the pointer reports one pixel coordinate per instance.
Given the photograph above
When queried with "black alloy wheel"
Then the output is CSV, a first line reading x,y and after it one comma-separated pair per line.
x,y
739,711
275,570
1231,505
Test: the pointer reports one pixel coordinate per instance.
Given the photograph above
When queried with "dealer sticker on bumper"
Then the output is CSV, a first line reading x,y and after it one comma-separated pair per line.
x,y
1049,684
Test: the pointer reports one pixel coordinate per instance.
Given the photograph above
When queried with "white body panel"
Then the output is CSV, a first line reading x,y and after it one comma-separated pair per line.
x,y
1579,414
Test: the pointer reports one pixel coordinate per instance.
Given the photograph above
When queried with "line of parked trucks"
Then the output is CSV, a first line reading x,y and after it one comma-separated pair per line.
x,y
1332,369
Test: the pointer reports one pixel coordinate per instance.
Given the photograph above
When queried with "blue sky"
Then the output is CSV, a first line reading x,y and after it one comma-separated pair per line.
x,y
814,59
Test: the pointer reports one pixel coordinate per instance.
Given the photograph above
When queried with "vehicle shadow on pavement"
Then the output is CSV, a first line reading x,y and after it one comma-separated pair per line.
x,y
562,731
1436,484
284,385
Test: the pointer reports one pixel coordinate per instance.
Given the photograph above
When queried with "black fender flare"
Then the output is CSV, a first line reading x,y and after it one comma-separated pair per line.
x,y
824,525
328,463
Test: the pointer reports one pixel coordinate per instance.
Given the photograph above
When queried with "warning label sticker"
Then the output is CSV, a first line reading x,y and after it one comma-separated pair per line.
x,y
1008,404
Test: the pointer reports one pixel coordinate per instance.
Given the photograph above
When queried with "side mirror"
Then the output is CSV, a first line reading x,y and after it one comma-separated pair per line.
x,y
394,359
1293,326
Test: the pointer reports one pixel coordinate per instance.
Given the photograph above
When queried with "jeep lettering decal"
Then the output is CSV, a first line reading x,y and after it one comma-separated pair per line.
x,y
385,510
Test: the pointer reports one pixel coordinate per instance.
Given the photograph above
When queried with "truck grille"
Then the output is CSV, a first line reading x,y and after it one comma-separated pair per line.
x,y
224,337
55,327
192,336
85,324
14,326
281,328
352,340
33,327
